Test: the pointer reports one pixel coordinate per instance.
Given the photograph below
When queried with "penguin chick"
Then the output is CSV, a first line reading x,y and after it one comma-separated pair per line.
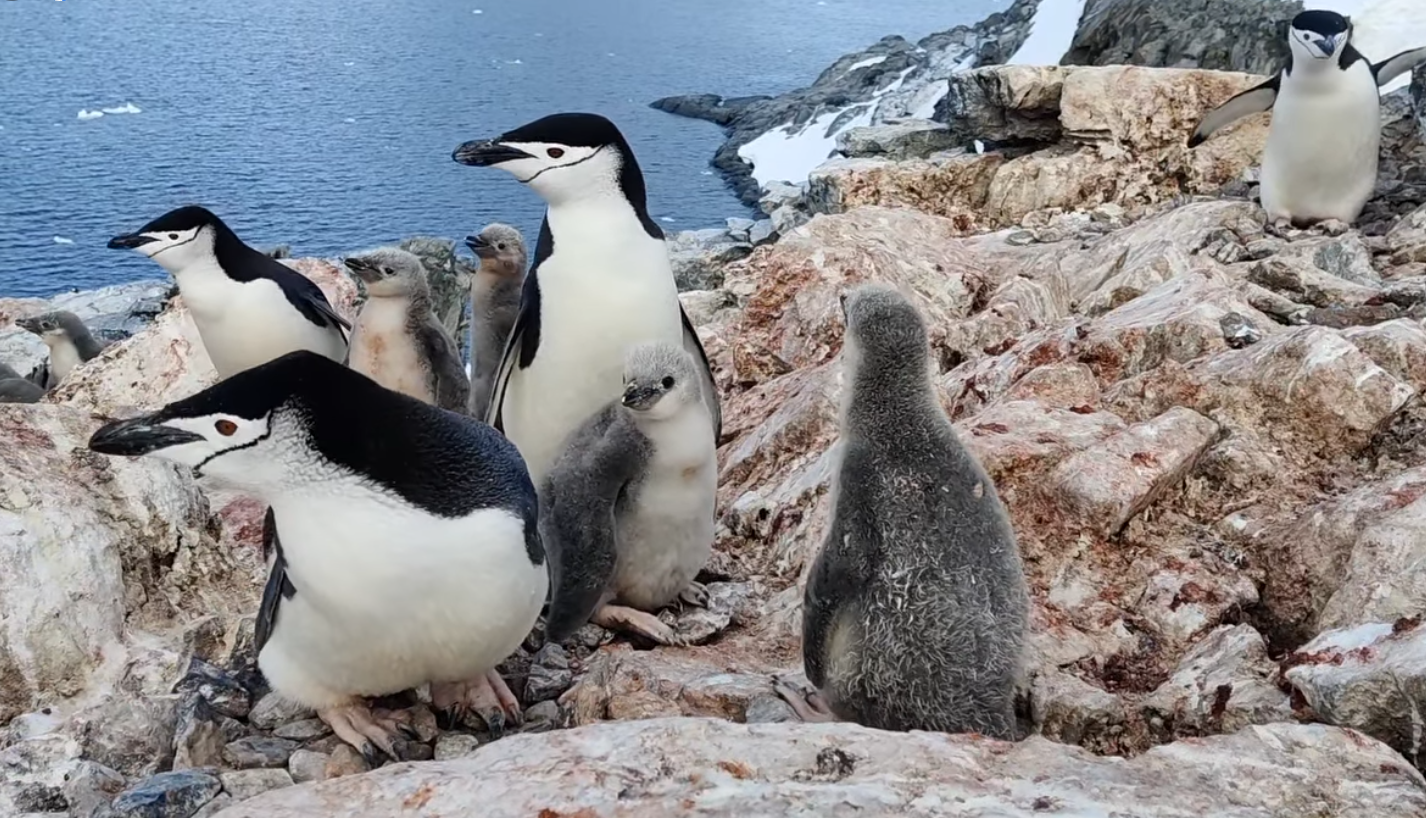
x,y
19,390
398,341
627,509
914,611
494,303
7,372
406,548
69,341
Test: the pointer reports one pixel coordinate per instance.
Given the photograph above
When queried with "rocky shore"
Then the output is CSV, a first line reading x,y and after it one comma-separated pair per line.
x,y
1210,440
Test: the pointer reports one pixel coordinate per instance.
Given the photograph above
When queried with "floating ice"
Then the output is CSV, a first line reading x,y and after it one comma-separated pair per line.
x,y
348,63
83,114
476,11
63,240
126,108
667,219
349,119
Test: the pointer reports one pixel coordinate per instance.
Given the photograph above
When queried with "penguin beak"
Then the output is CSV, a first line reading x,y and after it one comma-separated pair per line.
x,y
130,241
484,153
640,397
28,325
138,436
1329,44
362,270
480,246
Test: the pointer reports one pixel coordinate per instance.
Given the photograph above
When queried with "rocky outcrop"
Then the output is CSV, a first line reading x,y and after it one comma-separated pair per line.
x,y
1221,35
112,314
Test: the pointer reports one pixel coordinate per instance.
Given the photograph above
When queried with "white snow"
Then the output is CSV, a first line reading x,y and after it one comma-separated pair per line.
x,y
1051,33
1383,29
126,108
926,107
782,155
83,114
63,240
1348,639
869,61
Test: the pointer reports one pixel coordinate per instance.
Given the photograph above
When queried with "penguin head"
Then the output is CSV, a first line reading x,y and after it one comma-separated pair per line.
x,y
52,326
882,327
659,378
564,157
250,431
1318,34
389,272
499,247
177,239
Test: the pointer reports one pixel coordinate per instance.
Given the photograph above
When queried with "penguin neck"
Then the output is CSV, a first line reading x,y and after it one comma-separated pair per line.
x,y
599,218
887,396
64,356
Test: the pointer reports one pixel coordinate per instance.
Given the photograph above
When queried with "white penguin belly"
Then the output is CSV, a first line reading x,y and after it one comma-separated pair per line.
x,y
382,349
388,598
591,311
64,359
1320,160
244,325
665,534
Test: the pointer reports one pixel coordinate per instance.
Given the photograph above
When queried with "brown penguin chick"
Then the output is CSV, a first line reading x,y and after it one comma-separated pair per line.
x,y
494,302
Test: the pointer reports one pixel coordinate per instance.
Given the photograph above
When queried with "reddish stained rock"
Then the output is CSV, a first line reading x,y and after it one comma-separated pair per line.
x,y
1065,385
1397,346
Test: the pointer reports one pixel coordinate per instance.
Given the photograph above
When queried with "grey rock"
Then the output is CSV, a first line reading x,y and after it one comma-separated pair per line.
x,y
738,228
1418,100
899,140
244,784
310,765
762,232
985,105
1223,35
167,795
259,751
1223,684
455,745
541,717
769,710
549,674
272,710
698,257
89,787
201,735
220,689
1239,331
699,624
131,735
304,730
217,805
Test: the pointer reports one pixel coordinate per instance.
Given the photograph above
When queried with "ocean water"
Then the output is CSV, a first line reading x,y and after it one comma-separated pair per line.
x,y
328,124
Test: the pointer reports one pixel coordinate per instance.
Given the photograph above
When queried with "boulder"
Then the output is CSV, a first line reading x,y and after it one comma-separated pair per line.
x,y
1223,35
898,140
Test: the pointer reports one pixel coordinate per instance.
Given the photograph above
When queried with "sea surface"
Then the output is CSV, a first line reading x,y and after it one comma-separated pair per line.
x,y
328,124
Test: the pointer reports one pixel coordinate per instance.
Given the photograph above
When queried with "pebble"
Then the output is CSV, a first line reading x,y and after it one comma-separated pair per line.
x,y
345,760
768,710
541,716
258,751
201,735
167,795
455,745
309,765
244,784
217,687
549,674
90,786
273,710
1239,331
304,730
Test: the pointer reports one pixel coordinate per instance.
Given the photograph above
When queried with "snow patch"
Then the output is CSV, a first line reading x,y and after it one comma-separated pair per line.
x,y
1382,29
1051,32
1348,639
870,61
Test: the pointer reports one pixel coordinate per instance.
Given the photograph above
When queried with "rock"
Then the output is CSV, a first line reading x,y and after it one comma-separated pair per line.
x,y
768,710
89,787
304,730
1371,678
549,674
899,140
344,760
455,745
1225,683
621,683
309,765
167,795
1009,104
1224,35
712,767
762,232
133,736
111,314
539,717
698,257
272,710
218,688
201,735
258,751
217,805
738,229
245,784
1073,711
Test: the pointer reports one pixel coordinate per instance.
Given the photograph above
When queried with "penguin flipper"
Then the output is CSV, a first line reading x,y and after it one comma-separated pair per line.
x,y
1393,67
277,587
694,345
1257,99
304,294
450,384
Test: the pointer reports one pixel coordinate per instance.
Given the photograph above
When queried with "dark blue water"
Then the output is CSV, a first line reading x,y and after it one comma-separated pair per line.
x,y
328,124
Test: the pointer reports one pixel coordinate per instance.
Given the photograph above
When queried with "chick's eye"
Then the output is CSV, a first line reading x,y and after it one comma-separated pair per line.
x,y
173,237
668,382
500,246
555,153
386,270
226,428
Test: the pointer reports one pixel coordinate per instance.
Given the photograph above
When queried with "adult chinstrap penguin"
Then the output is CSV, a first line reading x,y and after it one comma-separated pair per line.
x,y
406,544
397,339
914,612
1320,161
627,509
494,305
69,341
248,307
600,282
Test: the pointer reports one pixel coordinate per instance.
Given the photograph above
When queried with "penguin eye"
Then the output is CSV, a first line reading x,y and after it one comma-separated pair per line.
x,y
387,271
668,382
173,237
226,428
500,246
555,153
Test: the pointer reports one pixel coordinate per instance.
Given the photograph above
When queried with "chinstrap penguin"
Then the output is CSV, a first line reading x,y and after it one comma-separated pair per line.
x,y
248,307
407,548
397,339
600,281
914,613
1320,161
627,509
69,341
494,303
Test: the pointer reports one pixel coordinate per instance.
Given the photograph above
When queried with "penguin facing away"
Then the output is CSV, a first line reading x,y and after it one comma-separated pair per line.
x,y
397,340
627,509
494,304
19,390
601,281
1320,160
70,342
248,307
914,612
407,548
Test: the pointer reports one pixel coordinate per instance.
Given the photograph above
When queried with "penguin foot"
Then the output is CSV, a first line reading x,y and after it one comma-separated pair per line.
x,y
696,594
633,620
486,695
358,726
804,699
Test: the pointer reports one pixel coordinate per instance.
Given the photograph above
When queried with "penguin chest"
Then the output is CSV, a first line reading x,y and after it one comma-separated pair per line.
x,y
384,349
1320,160
247,324
64,358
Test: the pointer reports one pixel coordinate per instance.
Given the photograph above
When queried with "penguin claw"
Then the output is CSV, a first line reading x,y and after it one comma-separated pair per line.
x,y
696,594
411,733
450,718
371,754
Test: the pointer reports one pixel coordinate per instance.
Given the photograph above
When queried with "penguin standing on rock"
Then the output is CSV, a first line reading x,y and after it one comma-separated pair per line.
x,y
494,304
70,343
408,549
914,611
398,341
248,307
601,281
1320,161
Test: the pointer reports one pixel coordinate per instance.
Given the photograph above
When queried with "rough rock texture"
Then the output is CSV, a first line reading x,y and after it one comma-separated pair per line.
x,y
900,139
111,313
1223,35
678,767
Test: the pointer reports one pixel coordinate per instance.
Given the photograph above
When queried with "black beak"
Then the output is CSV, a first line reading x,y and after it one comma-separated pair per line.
x,y
480,246
640,397
137,436
28,325
130,241
483,153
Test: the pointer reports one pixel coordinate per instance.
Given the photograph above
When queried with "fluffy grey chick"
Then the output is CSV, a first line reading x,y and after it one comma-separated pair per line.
x,y
494,304
15,389
914,612
397,339
626,511
69,342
